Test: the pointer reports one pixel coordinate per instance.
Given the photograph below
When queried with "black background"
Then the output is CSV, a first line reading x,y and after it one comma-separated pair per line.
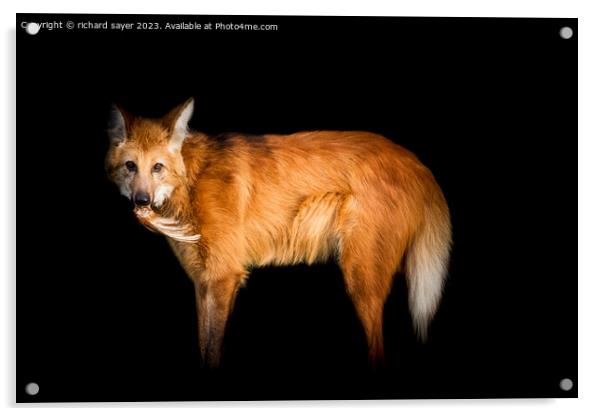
x,y
106,313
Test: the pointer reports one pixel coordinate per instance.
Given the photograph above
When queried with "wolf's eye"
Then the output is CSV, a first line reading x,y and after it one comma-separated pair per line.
x,y
131,166
157,167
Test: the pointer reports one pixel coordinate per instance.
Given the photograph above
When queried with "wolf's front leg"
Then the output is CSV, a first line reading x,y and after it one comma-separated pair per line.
x,y
214,301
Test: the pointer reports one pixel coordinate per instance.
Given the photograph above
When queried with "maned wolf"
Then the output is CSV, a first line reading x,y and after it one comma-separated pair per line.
x,y
235,201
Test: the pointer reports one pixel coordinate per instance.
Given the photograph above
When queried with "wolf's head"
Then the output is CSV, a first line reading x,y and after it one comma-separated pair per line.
x,y
144,158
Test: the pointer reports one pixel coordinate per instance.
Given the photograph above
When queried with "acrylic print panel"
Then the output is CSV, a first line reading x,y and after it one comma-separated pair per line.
x,y
354,286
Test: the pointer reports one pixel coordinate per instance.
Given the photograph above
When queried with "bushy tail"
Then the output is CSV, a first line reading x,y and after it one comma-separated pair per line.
x,y
426,266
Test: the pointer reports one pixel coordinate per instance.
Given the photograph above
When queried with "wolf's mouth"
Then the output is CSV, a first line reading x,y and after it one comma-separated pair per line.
x,y
143,212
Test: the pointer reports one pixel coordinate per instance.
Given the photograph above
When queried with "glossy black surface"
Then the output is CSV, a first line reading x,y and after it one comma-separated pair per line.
x,y
104,311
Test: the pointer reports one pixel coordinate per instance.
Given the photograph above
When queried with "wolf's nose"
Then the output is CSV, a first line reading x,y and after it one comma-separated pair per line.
x,y
141,198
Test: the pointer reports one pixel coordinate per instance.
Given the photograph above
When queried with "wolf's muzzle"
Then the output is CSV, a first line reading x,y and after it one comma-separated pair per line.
x,y
142,198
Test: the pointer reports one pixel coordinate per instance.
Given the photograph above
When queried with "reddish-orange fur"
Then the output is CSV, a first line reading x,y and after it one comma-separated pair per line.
x,y
300,198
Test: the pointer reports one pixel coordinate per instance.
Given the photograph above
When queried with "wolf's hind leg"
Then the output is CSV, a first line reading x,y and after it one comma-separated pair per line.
x,y
368,280
368,297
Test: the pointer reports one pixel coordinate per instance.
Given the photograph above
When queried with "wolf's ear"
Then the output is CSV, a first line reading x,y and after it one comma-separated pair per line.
x,y
177,122
118,122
